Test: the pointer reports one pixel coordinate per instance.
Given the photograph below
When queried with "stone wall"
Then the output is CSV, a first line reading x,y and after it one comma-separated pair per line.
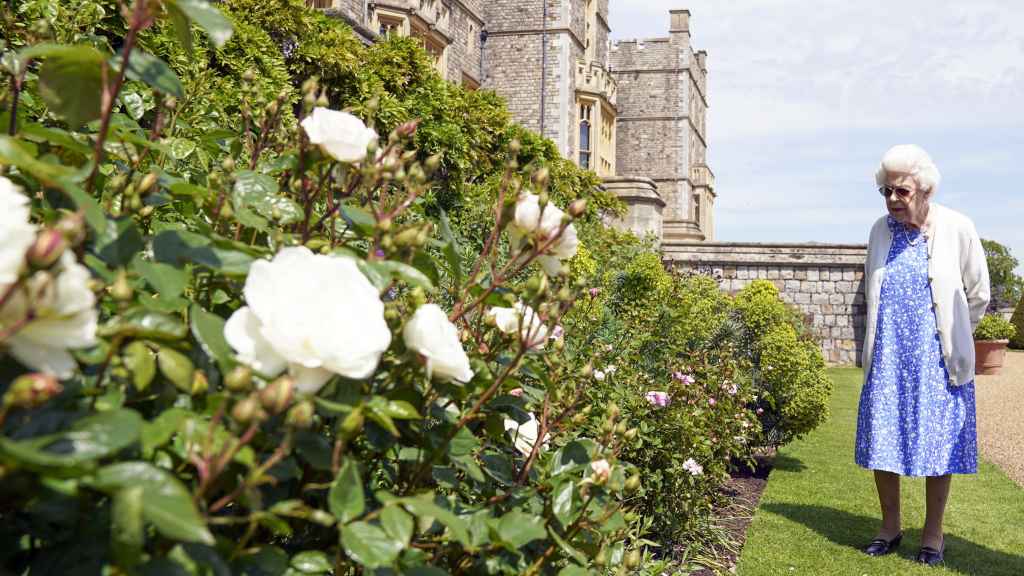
x,y
824,281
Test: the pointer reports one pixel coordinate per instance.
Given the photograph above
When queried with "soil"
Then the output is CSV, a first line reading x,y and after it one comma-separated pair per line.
x,y
743,491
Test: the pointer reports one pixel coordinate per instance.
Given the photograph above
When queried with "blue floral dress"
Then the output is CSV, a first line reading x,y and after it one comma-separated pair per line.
x,y
911,421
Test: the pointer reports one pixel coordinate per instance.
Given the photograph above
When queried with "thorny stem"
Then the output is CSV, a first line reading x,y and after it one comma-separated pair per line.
x,y
140,20
277,456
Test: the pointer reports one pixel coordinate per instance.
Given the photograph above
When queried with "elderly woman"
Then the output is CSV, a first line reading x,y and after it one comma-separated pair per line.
x,y
927,288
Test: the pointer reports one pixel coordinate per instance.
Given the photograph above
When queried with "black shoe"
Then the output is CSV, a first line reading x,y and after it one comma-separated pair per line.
x,y
881,547
930,556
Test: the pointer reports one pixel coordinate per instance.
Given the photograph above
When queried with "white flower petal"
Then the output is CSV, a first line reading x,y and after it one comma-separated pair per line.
x,y
242,332
339,134
309,380
433,336
49,359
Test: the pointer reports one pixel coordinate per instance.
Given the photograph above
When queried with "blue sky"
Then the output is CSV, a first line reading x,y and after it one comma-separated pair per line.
x,y
806,96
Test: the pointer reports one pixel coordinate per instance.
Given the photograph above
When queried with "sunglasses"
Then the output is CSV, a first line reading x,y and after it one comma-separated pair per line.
x,y
888,191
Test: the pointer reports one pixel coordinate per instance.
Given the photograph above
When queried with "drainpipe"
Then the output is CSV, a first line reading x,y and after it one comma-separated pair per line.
x,y
483,53
543,64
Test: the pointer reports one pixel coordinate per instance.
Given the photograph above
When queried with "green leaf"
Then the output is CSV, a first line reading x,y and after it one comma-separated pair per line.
x,y
312,562
169,281
71,82
397,523
203,14
57,176
178,247
158,432
181,148
345,498
562,502
189,190
369,545
519,528
119,242
451,251
260,193
166,503
148,69
573,456
208,330
397,409
77,448
140,323
141,361
403,272
182,28
53,136
424,507
127,533
573,570
266,561
133,104
176,367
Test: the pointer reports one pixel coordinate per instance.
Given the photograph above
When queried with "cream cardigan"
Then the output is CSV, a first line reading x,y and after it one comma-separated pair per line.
x,y
958,273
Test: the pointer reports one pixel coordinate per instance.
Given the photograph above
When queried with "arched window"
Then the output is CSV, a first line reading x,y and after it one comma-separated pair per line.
x,y
586,131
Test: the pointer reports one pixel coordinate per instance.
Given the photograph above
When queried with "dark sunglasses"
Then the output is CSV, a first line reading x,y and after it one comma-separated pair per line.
x,y
888,191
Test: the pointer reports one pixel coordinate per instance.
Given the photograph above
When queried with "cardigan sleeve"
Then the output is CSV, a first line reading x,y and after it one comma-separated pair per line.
x,y
974,273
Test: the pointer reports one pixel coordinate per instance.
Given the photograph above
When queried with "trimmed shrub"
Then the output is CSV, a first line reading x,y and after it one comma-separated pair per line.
x,y
788,368
1017,342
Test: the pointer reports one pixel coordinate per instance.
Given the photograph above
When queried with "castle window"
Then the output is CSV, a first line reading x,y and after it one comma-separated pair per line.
x,y
390,23
586,129
435,49
696,208
606,145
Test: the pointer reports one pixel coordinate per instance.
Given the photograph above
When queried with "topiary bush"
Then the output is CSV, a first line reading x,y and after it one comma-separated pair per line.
x,y
994,327
1017,341
788,369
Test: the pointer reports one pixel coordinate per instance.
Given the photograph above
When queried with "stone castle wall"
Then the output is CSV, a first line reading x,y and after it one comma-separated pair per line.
x,y
824,281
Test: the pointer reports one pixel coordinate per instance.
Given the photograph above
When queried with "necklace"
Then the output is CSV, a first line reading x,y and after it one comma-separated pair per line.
x,y
912,241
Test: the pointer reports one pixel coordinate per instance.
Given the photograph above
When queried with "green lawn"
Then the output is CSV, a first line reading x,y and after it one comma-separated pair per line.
x,y
820,507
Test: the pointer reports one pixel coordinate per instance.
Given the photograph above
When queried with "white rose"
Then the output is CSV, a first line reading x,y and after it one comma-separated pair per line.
x,y
599,375
339,134
315,315
602,469
524,435
433,336
531,220
523,321
16,233
64,318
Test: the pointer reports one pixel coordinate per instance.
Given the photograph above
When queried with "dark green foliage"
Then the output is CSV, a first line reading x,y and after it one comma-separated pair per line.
x,y
1017,342
788,368
1006,284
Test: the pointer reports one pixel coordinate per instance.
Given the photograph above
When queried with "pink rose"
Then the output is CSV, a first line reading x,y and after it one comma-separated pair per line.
x,y
602,469
660,399
517,392
712,402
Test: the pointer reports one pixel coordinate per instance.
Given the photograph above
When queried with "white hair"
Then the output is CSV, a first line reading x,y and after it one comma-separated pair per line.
x,y
912,160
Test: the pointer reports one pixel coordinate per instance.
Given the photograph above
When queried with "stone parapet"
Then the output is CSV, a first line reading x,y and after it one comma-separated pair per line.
x,y
645,205
825,282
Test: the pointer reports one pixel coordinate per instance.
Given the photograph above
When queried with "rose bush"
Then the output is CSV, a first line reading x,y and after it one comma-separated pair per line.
x,y
279,362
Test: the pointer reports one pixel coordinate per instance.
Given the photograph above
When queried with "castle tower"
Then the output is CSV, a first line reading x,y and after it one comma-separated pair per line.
x,y
662,130
548,58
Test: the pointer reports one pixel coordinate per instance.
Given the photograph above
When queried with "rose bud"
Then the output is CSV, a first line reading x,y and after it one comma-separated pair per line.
x,y
278,394
577,208
633,559
301,415
72,226
147,182
47,249
248,410
239,379
200,383
633,483
32,390
408,129
352,424
602,470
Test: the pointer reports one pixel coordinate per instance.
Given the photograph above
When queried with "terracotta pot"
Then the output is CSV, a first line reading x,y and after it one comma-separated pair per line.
x,y
989,356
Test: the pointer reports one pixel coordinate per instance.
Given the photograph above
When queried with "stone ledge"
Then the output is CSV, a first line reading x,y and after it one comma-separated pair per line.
x,y
795,254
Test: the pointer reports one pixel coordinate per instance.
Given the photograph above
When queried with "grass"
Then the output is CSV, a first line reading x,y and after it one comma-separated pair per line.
x,y
819,508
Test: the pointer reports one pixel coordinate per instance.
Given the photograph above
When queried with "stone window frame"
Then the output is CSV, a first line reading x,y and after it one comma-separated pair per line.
x,y
606,141
470,83
586,107
394,20
436,48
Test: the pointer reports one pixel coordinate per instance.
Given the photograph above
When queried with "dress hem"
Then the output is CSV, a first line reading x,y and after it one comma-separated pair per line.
x,y
925,475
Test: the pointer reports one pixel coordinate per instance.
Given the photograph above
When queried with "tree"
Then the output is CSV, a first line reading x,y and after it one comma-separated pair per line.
x,y
1007,286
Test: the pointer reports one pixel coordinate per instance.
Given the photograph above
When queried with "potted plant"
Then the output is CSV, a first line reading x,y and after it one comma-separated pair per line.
x,y
990,340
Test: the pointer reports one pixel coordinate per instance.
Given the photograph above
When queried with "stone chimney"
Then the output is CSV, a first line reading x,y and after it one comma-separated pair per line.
x,y
680,21
702,60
